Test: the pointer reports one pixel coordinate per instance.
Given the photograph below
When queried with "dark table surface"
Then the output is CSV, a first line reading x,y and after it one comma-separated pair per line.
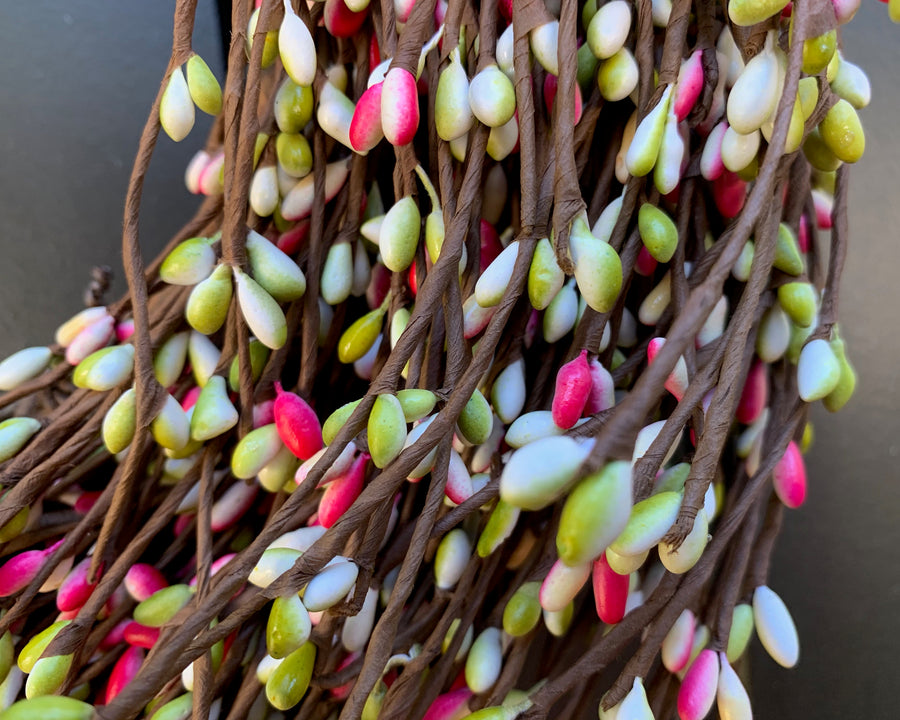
x,y
78,81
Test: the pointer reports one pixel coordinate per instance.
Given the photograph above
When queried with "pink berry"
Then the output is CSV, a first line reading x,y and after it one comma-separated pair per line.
x,y
573,386
789,477
342,492
365,127
75,589
698,690
140,635
297,424
123,672
755,395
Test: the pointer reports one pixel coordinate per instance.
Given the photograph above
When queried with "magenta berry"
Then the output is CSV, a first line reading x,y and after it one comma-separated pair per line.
x,y
698,690
645,264
573,387
610,591
124,671
116,635
450,705
789,477
17,572
755,395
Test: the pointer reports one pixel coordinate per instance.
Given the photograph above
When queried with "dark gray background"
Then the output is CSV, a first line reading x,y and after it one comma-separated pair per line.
x,y
79,77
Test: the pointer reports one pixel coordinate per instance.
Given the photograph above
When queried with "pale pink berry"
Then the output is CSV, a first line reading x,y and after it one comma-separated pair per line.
x,y
219,563
844,10
402,9
69,330
263,414
210,180
823,204
215,567
192,173
475,317
562,584
92,338
341,465
676,648
232,505
602,395
677,382
711,164
298,203
459,481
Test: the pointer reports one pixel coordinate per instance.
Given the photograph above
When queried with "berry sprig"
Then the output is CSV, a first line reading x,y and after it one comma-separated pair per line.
x,y
347,453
